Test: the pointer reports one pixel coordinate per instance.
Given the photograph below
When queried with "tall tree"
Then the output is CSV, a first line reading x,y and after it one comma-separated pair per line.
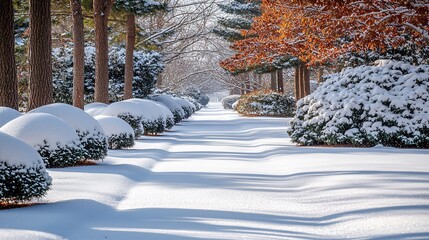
x,y
101,14
133,8
8,82
40,83
78,54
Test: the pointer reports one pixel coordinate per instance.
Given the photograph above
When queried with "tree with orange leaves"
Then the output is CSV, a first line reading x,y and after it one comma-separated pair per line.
x,y
318,31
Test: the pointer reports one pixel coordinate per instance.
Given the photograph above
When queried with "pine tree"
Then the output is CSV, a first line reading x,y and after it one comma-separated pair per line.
x,y
133,8
78,54
8,82
41,92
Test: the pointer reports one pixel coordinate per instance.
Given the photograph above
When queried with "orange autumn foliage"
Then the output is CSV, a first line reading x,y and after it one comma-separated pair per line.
x,y
318,31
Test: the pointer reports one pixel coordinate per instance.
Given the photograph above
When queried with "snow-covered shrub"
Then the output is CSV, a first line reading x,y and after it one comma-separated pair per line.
x,y
266,103
7,114
23,175
229,100
196,94
153,118
367,106
129,112
56,142
169,117
90,133
147,66
196,104
171,104
95,108
188,107
119,133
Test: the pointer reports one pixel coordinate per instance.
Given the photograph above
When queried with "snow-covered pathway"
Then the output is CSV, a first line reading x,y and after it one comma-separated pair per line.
x,y
221,176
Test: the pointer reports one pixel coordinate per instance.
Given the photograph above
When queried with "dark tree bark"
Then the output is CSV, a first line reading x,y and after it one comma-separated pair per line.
x,y
296,83
273,85
78,54
8,82
306,80
40,83
129,58
101,14
280,81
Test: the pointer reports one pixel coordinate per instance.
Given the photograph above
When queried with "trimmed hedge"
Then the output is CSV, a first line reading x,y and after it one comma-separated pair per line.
x,y
266,103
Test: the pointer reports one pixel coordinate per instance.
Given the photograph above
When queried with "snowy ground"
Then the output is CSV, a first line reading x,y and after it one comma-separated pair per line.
x,y
221,176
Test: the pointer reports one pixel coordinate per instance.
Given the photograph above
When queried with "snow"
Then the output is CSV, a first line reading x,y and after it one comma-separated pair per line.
x,y
150,110
15,152
95,109
170,103
73,116
35,128
165,110
7,114
222,176
114,125
185,103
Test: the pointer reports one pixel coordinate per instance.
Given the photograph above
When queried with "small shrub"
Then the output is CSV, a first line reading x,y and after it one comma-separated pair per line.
x,y
22,173
154,127
367,106
135,122
229,100
90,133
119,133
56,142
120,141
266,103
7,115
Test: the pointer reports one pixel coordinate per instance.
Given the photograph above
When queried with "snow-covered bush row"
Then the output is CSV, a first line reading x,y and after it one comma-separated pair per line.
x,y
229,100
90,133
147,66
266,103
367,106
171,104
153,118
7,114
196,94
95,108
119,133
22,173
56,142
187,107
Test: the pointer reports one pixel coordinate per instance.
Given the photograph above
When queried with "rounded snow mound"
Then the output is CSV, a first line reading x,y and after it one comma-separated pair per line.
x,y
153,119
188,107
130,112
229,100
169,117
367,106
119,133
56,142
95,109
88,129
22,173
171,104
7,114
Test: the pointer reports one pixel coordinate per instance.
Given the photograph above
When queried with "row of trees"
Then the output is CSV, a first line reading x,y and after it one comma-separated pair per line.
x,y
40,48
323,32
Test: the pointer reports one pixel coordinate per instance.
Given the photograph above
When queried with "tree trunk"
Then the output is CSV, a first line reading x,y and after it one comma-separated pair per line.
x,y
40,83
78,54
296,83
8,82
273,81
280,81
306,80
129,58
320,75
101,13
